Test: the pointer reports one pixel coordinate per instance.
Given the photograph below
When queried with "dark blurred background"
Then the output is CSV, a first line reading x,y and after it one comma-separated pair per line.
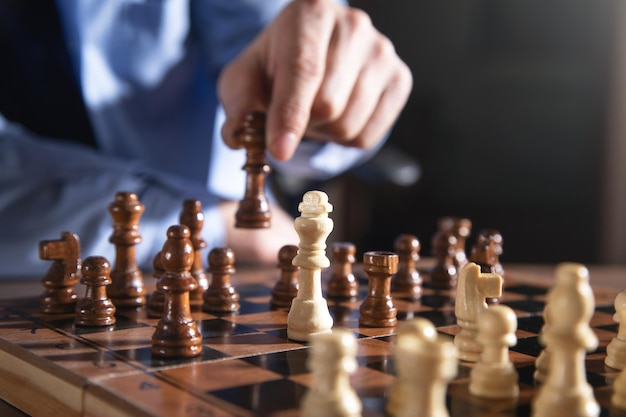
x,y
510,122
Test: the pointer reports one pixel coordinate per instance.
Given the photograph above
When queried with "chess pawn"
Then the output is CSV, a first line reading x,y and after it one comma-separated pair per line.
x,y
176,334
127,287
485,254
286,287
254,209
377,309
156,301
59,296
461,228
566,391
616,349
96,309
342,283
542,363
309,312
221,296
332,360
618,399
443,275
425,364
472,290
407,280
193,217
494,376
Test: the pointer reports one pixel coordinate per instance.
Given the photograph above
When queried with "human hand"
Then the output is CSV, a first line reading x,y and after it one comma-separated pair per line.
x,y
320,70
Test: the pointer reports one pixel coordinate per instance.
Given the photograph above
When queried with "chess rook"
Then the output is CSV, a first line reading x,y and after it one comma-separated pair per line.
x,y
177,334
96,309
309,314
286,288
127,288
59,296
377,309
566,391
494,376
193,217
254,212
332,360
472,290
425,364
221,296
407,281
342,283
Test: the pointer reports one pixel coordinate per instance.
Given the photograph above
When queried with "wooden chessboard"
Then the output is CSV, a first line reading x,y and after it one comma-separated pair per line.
x,y
248,366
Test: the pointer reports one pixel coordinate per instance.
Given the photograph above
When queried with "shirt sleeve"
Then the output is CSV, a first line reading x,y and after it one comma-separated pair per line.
x,y
49,187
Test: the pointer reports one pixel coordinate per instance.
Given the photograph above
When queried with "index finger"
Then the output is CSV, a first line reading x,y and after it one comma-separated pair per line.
x,y
297,63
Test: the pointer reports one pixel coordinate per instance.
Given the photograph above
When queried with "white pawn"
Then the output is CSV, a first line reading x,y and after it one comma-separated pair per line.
x,y
309,314
566,392
494,376
425,363
616,349
618,399
473,288
543,360
332,359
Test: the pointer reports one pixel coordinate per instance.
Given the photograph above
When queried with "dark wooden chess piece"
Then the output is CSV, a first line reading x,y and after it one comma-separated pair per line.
x,y
221,296
177,334
342,283
96,309
59,296
127,288
156,301
407,281
485,253
461,228
444,275
254,212
377,310
193,217
286,288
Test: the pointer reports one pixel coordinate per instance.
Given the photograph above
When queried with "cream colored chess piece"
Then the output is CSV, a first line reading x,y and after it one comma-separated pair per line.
x,y
472,289
618,399
616,349
566,392
425,363
332,360
494,376
309,314
543,360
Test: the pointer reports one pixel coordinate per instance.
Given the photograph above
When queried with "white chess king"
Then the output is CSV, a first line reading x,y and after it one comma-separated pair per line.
x,y
309,313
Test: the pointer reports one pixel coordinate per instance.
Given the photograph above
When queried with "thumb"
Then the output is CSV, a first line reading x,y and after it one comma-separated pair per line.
x,y
241,90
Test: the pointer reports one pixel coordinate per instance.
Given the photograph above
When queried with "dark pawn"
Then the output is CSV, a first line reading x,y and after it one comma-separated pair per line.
x,y
444,274
461,228
254,209
221,296
342,283
485,253
193,217
96,309
176,334
286,287
377,309
156,302
59,296
407,281
127,288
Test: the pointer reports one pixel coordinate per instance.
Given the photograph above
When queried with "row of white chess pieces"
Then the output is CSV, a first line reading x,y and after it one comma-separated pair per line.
x,y
426,362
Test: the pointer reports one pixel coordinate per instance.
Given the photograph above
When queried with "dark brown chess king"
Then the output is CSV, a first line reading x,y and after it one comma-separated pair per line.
x,y
254,212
